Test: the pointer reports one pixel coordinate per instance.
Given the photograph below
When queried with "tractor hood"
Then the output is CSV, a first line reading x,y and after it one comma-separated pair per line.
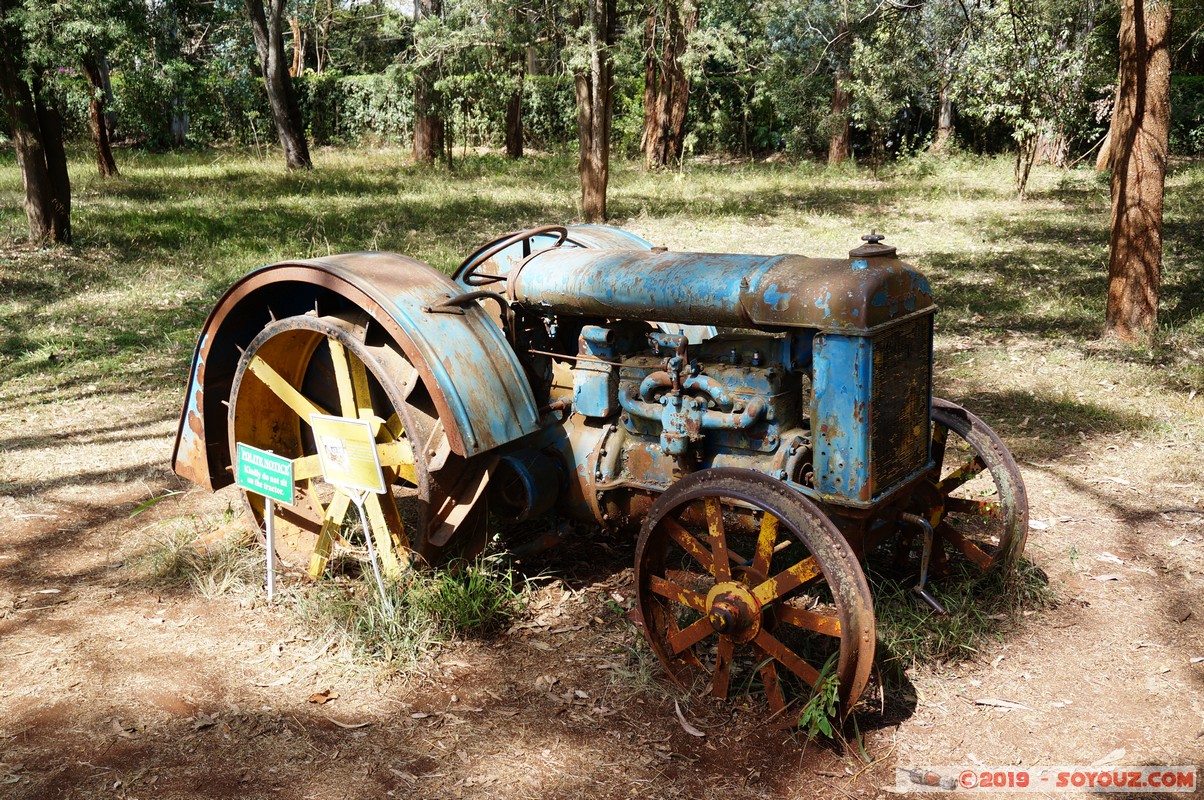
x,y
855,295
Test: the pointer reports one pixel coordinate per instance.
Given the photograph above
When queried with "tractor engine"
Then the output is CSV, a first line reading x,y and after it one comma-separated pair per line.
x,y
816,372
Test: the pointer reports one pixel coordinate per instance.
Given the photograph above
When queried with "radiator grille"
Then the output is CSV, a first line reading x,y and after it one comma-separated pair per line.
x,y
902,382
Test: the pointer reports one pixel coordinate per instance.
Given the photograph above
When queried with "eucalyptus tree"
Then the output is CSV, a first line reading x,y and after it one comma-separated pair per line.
x,y
591,62
86,32
428,121
267,28
37,129
668,26
1023,67
1139,139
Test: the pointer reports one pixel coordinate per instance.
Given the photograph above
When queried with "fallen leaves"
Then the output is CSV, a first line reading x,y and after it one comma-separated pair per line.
x,y
124,731
323,697
349,725
202,721
686,726
1005,704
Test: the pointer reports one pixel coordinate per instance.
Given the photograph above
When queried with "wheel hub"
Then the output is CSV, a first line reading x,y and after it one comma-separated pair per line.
x,y
732,610
929,502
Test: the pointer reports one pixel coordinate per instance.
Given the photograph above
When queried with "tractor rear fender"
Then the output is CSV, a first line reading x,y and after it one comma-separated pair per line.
x,y
470,371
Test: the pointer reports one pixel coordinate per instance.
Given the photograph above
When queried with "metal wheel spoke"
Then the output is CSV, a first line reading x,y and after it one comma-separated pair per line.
x,y
962,475
721,559
766,539
332,520
940,434
361,389
306,467
398,456
342,379
787,657
691,635
388,533
787,580
773,687
810,620
688,543
301,405
968,548
679,594
981,508
723,667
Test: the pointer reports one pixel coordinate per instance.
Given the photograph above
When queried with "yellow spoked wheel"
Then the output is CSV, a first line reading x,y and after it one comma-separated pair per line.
x,y
746,587
974,497
340,366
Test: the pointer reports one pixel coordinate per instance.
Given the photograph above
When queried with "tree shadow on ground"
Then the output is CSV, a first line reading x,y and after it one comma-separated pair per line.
x,y
1044,425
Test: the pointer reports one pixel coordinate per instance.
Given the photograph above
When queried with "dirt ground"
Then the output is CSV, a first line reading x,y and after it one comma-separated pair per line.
x,y
113,686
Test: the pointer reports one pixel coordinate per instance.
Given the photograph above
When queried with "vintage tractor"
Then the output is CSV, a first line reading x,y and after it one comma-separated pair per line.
x,y
764,422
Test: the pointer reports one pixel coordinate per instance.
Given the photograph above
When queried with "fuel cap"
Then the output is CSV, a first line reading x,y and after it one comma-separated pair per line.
x,y
873,247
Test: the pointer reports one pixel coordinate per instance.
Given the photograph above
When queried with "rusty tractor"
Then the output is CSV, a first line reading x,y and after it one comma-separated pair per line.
x,y
764,422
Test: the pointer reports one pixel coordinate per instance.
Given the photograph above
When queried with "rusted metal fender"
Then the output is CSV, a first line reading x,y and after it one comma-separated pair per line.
x,y
477,384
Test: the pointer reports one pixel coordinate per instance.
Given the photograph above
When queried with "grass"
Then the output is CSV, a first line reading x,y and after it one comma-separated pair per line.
x,y
1021,288
981,608
156,247
186,554
424,609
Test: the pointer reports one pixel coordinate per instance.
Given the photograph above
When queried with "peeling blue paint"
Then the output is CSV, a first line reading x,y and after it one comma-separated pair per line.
x,y
779,301
823,303
858,264
843,366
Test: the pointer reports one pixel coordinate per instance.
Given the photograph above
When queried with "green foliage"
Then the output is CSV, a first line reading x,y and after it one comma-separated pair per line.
x,y
819,714
549,111
358,109
470,599
1026,67
1187,114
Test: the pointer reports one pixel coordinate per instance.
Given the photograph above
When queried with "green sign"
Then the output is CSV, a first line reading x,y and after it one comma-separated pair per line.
x,y
264,473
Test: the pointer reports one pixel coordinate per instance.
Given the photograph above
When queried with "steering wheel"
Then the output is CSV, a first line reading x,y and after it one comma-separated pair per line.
x,y
467,271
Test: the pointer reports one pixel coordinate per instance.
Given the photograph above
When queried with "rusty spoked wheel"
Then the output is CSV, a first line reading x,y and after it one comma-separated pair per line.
x,y
308,364
974,495
746,587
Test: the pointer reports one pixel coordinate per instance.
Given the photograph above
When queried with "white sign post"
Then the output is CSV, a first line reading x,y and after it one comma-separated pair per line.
x,y
347,454
271,477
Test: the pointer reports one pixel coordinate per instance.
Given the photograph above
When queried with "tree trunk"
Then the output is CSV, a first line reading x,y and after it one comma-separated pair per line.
x,y
109,101
514,115
322,34
298,64
105,163
666,88
1139,141
944,121
838,145
428,124
1026,153
47,187
179,120
594,89
1053,148
269,44
652,141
